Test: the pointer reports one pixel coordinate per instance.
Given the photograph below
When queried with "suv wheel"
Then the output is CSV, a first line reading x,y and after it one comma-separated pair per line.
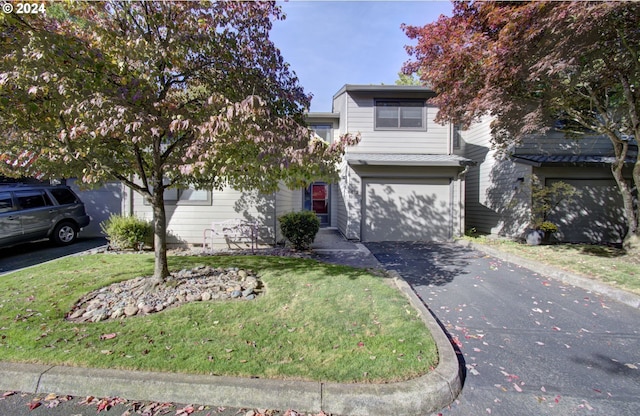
x,y
65,233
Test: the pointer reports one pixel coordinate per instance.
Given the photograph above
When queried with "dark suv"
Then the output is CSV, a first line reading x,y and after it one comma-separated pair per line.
x,y
33,212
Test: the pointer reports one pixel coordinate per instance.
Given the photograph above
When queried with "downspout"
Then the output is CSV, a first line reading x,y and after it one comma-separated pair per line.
x,y
275,218
463,193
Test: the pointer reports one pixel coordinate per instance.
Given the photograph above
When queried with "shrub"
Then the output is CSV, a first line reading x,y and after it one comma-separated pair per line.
x,y
125,232
300,228
547,227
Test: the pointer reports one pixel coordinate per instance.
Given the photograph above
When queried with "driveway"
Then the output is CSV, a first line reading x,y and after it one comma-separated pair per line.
x,y
528,345
30,254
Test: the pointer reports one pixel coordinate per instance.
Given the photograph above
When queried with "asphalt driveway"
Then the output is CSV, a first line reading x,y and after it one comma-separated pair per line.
x,y
30,254
528,345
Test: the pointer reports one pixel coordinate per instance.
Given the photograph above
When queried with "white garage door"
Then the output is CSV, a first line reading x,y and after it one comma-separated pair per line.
x,y
407,210
594,216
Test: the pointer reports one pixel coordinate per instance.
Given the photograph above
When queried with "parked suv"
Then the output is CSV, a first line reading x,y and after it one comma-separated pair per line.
x,y
33,212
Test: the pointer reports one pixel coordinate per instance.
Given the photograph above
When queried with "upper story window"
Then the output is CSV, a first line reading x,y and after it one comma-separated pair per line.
x,y
400,114
324,131
457,136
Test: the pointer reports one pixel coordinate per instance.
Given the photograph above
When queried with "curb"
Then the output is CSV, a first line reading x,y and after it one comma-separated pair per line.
x,y
628,298
419,396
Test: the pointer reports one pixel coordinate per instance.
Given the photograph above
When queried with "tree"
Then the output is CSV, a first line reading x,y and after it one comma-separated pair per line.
x,y
156,95
410,79
529,64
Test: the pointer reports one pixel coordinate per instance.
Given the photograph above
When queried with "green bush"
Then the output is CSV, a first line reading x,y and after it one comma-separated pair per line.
x,y
125,232
300,228
547,227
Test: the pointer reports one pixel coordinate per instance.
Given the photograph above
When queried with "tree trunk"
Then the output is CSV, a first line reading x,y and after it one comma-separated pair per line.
x,y
161,266
632,240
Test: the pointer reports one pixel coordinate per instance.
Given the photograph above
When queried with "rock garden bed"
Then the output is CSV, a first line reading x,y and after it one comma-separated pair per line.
x,y
134,297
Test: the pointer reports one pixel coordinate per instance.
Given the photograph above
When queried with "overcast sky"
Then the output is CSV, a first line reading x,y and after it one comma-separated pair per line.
x,y
332,43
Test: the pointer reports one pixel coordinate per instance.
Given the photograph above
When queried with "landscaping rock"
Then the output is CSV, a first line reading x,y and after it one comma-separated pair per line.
x,y
130,298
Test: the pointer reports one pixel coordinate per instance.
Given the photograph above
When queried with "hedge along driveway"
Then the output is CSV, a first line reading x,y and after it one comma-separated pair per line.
x,y
314,321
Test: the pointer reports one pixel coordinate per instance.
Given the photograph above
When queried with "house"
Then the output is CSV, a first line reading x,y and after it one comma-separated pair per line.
x,y
498,197
405,180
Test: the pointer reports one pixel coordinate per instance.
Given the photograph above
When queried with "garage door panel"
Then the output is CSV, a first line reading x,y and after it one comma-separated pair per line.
x,y
407,210
595,215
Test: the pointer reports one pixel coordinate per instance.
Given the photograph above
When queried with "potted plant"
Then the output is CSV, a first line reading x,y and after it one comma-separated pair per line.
x,y
545,199
547,228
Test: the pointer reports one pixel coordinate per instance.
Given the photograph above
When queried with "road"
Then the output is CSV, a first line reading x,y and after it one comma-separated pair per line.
x,y
528,345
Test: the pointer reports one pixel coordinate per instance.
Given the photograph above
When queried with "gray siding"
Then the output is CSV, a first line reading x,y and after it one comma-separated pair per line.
x,y
287,200
186,223
361,115
497,201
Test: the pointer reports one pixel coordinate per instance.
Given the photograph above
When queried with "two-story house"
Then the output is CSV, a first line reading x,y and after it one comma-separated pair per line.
x,y
498,191
405,180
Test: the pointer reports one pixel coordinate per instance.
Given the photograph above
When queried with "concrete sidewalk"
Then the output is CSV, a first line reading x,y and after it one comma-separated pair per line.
x,y
423,395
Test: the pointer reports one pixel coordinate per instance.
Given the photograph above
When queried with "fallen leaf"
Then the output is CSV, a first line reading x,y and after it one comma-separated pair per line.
x,y
53,403
108,336
185,411
88,400
34,405
517,388
8,393
104,404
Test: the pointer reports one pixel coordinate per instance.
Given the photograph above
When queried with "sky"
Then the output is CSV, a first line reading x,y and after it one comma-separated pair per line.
x,y
333,43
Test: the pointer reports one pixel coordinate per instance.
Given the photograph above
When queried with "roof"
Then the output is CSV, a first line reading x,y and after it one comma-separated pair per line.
x,y
570,160
319,115
384,88
400,159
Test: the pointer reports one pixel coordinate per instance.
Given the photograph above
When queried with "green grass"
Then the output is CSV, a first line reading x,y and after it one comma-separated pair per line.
x,y
607,264
314,322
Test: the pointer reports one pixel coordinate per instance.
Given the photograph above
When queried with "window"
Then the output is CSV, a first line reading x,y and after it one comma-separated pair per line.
x,y
32,199
186,196
457,129
63,196
5,202
400,114
323,131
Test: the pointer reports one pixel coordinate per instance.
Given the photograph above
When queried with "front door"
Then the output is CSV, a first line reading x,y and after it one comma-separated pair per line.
x,y
316,199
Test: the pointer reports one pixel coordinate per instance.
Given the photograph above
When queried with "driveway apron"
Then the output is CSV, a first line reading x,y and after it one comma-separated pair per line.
x,y
527,344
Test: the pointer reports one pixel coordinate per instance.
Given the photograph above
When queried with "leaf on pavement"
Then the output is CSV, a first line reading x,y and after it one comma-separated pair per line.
x,y
185,411
34,405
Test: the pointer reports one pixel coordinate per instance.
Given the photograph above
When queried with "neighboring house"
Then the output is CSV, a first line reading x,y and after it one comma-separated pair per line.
x,y
498,198
403,181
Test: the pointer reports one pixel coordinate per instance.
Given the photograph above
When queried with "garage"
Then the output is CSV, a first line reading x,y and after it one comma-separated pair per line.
x,y
595,215
401,209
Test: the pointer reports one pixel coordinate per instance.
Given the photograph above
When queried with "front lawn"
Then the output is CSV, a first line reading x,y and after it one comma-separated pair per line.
x,y
314,321
607,264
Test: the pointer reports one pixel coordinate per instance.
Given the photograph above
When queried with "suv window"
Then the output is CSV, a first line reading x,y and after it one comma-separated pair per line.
x,y
5,202
32,199
63,196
